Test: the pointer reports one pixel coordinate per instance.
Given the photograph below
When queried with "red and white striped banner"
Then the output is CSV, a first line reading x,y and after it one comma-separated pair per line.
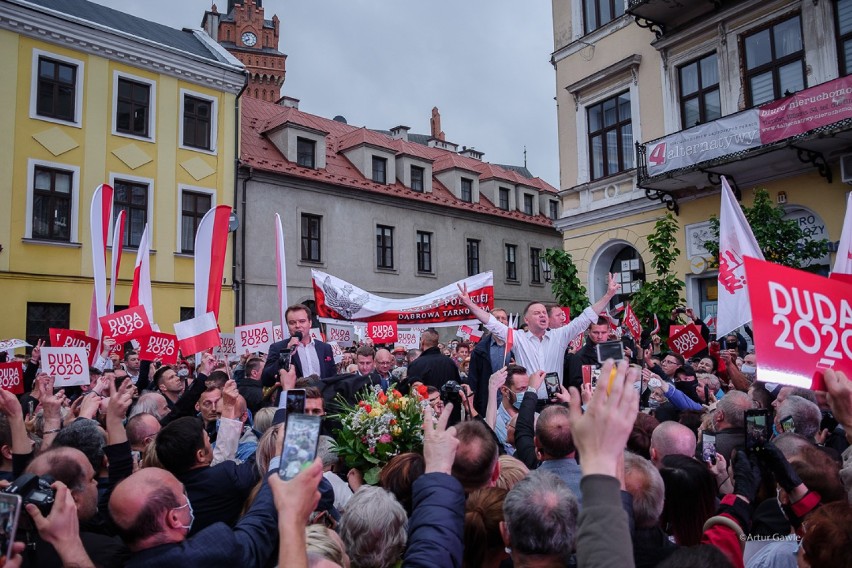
x,y
117,245
140,293
100,216
281,275
211,245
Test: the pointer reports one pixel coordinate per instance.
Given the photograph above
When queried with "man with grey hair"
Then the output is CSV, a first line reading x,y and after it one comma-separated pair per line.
x,y
374,529
540,523
671,438
729,422
645,485
805,414
150,403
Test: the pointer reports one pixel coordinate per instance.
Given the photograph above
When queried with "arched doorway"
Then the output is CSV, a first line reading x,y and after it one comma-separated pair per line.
x,y
621,259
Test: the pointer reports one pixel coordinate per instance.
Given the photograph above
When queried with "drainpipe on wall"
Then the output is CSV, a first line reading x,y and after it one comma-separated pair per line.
x,y
243,242
235,285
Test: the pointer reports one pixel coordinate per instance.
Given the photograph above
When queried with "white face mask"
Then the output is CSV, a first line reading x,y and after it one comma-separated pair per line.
x,y
191,514
748,369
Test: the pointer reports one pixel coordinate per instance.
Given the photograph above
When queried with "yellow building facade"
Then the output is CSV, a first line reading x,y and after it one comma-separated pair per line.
x,y
649,98
94,97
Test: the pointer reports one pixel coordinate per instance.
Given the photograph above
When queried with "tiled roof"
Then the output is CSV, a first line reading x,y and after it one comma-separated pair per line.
x,y
145,29
258,152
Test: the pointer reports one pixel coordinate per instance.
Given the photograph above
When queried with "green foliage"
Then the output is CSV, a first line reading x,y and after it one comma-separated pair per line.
x,y
565,283
664,294
782,241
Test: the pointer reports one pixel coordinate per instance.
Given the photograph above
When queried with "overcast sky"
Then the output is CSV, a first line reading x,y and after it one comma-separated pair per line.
x,y
381,63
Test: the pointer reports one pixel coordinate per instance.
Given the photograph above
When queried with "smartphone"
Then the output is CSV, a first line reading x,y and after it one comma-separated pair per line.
x,y
787,424
10,509
610,350
136,456
829,422
300,444
284,360
731,345
708,448
551,383
758,428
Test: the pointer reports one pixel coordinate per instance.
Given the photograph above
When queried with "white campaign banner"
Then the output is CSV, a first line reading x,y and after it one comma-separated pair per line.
x,y
254,338
337,299
227,347
343,335
409,338
68,365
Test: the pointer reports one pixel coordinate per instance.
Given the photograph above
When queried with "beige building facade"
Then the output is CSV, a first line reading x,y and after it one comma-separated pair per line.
x,y
656,102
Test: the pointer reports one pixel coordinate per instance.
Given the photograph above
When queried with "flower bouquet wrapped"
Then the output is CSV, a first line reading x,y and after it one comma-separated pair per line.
x,y
378,427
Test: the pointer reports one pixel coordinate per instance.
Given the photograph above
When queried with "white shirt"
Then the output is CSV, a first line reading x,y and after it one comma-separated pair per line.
x,y
309,359
548,353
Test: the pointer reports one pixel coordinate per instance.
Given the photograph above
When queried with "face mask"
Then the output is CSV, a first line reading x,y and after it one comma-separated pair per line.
x,y
748,369
183,373
519,397
191,515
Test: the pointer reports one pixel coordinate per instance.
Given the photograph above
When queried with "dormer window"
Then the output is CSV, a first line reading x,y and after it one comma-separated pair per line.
x,y
380,169
528,204
467,190
554,210
306,152
417,175
504,198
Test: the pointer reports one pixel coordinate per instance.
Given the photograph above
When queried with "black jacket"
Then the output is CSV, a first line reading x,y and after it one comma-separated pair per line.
x,y
573,372
433,369
479,372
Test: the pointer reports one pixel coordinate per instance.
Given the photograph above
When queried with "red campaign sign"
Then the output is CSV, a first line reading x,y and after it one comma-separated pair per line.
x,y
382,331
162,346
687,341
802,324
632,323
806,110
567,312
74,338
12,377
128,324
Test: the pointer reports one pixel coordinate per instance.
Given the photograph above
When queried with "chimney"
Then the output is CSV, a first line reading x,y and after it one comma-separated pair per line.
x,y
289,102
435,123
210,23
400,132
471,153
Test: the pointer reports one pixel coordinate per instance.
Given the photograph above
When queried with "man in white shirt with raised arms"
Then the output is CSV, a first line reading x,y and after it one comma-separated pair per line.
x,y
541,348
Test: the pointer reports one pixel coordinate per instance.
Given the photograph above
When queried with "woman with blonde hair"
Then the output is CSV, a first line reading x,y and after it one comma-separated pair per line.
x,y
512,470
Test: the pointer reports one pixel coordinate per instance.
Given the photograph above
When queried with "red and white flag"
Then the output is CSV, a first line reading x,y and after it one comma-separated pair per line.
x,y
197,334
510,340
281,274
656,329
140,293
632,323
100,216
117,244
211,245
843,259
735,242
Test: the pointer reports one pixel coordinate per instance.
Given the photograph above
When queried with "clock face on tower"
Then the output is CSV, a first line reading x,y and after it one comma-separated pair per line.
x,y
249,39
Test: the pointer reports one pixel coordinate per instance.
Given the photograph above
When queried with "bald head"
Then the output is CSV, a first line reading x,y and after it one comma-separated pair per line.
x,y
142,505
71,467
553,433
671,438
730,410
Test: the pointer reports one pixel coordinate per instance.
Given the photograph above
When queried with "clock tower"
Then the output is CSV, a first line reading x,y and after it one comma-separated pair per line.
x,y
252,39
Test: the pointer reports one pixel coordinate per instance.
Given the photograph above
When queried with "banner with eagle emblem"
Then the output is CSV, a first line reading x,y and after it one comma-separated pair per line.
x,y
338,300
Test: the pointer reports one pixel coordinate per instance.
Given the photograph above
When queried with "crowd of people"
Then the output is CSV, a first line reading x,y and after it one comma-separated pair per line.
x,y
535,454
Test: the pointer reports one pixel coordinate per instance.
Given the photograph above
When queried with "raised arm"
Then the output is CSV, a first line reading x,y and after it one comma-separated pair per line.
x,y
497,380
478,312
612,288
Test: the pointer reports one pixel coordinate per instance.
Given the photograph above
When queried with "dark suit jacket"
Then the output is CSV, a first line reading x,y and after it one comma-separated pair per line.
x,y
433,368
218,492
270,371
252,542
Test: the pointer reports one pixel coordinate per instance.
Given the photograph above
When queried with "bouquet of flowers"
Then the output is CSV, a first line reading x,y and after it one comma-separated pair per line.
x,y
378,427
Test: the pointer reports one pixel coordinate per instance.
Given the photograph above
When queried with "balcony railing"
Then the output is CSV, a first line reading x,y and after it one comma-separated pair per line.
x,y
752,145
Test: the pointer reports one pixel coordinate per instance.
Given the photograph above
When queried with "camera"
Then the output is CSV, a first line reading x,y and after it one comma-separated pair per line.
x,y
680,310
450,393
284,360
34,489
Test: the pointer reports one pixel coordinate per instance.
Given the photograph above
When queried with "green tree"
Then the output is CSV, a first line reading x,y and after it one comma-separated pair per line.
x,y
664,294
782,241
564,282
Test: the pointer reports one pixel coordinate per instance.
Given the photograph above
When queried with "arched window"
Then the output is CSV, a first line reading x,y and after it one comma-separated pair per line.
x,y
624,261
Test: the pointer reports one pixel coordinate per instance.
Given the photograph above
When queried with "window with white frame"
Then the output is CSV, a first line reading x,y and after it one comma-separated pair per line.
x,y
198,127
774,61
56,93
134,105
610,136
596,13
52,202
194,204
131,196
